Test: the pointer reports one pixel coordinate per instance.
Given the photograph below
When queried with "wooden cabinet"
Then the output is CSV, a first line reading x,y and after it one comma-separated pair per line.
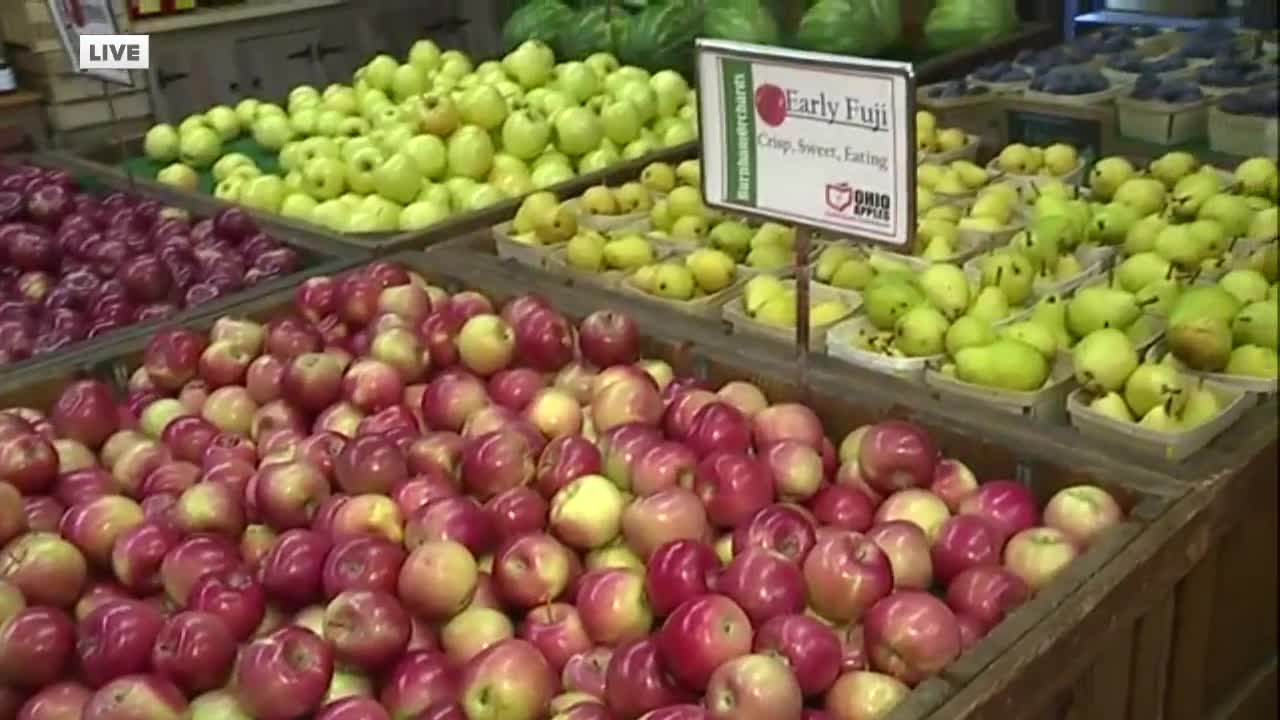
x,y
339,51
271,65
176,86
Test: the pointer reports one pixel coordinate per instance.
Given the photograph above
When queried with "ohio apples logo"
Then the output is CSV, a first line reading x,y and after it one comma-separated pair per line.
x,y
839,196
771,104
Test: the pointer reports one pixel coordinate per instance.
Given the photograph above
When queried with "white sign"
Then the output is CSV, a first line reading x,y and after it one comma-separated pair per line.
x,y
115,52
77,18
823,141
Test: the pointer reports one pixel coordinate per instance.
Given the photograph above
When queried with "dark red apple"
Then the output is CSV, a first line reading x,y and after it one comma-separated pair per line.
x,y
232,595
557,631
368,629
28,462
1007,505
544,340
63,701
637,680
291,570
85,411
195,650
780,528
516,512
362,563
733,487
809,647
895,455
172,357
36,646
497,461
609,338
533,569
911,635
700,635
460,518
964,542
370,464
764,583
677,571
846,574
986,594
419,681
843,507
564,460
115,639
719,427
284,675
192,559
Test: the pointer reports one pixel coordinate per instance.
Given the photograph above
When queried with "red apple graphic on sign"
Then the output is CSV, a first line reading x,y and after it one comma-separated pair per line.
x,y
771,104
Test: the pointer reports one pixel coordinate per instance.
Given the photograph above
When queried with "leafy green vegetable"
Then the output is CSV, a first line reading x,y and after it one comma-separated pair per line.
x,y
740,20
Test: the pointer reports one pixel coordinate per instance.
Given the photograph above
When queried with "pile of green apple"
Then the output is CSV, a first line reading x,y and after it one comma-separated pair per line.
x,y
406,145
772,301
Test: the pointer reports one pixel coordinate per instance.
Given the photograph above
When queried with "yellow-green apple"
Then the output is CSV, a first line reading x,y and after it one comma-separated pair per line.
x,y
379,72
438,115
470,152
484,107
265,192
473,631
533,569
615,555
1038,554
796,468
526,133
671,514
160,144
587,513
530,63
397,179
613,606
425,55
641,95
486,344
917,506
754,687
743,395
179,176
437,579
1082,513
908,551
408,81
864,695
578,131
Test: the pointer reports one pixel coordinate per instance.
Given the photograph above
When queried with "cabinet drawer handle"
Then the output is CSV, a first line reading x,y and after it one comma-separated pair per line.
x,y
299,55
165,78
257,83
325,51
235,87
450,24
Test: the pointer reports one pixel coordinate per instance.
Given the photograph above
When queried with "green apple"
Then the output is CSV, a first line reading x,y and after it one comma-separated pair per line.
x,y
389,115
550,174
371,101
526,133
577,80
428,154
199,147
293,181
437,193
161,143
227,165
639,148
303,122
229,189
408,81
332,214
530,64
602,63
621,121
484,196
301,92
422,214
380,71
425,55
179,176
354,145
328,121
490,71
397,179
671,89
679,133
454,63
483,106
598,159
512,184
386,213
224,120
396,136
341,98
247,111
360,167
323,178
577,131
308,102
352,127
556,101
265,193
470,152
642,96
551,157
265,109
298,206
288,157
316,147
510,91
192,122
272,132
438,115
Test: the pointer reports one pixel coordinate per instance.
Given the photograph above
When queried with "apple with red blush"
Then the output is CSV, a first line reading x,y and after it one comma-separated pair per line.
x,y
283,675
194,650
809,647
232,595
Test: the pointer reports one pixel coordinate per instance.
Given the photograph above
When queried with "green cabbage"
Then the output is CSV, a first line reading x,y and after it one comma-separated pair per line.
x,y
537,20
740,20
661,36
850,27
955,24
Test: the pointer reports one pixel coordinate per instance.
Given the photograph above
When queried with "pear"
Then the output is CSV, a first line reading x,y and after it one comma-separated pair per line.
x,y
585,251
713,270
1140,270
1012,272
599,200
1068,268
1152,384
1034,334
939,248
885,303
759,290
1173,166
1141,236
1212,236
1179,246
536,205
827,312
1103,360
921,331
673,282
732,237
690,227
1256,324
1160,419
968,331
772,233
770,257
660,216
1098,306
829,260
1158,298
885,264
1202,343
1232,211
1191,193
946,288
1112,222
1257,176
1041,242
1266,260
990,305
853,274
1146,195
628,252
1265,224
1248,286
1111,405
1204,301
945,213
1004,364
1201,406
779,310
1050,312
643,277
555,224
1254,361
1108,174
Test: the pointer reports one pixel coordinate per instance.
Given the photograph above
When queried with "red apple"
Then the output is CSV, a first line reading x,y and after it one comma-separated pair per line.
x,y
497,461
609,338
362,563
94,526
911,635
544,339
264,378
516,512
230,409
510,678
486,420
661,466
953,482
195,650
461,519
466,304
786,421
671,514
28,462
765,584
473,631
115,639
43,513
683,711
1082,513
844,507
754,687
316,297
895,455
437,579
172,357
810,648
515,387
564,460
585,672
554,413
290,571
719,427
286,495
517,307
451,398
367,628
533,569
419,681
965,541
909,554
917,506
438,333
234,597
321,450
63,701
677,571
175,476
846,573
1038,554
1008,506
861,695
224,362
340,418
47,569
35,647
97,594
796,468
188,436
637,680
144,697
207,507
853,647
284,675
986,594
613,606
85,412
312,381
622,446
785,529
137,554
733,487
13,521
630,399
370,464
371,385
557,631
677,419
353,708
702,634
72,488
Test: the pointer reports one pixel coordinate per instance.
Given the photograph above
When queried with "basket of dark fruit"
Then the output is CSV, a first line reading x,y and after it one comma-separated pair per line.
x,y
1246,123
953,94
1126,67
1163,111
1211,41
1039,62
1230,75
1004,78
1072,85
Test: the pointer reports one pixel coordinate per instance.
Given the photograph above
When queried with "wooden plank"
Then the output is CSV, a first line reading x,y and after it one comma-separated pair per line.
x,y
1256,698
1151,655
206,17
1103,692
70,116
52,74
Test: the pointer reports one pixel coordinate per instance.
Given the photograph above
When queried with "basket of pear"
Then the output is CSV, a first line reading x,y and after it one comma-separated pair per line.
x,y
953,181
851,267
601,207
603,259
769,247
767,307
1153,407
1227,332
682,218
662,177
1051,250
698,282
938,237
1022,163
994,216
541,223
942,145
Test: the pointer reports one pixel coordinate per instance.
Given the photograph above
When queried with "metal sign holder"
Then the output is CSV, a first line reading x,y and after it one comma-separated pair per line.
x,y
711,50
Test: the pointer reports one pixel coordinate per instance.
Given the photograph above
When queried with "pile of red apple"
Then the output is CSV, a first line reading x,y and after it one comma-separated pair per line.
x,y
74,265
391,502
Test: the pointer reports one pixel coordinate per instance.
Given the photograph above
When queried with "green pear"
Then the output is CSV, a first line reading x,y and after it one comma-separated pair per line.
x,y
1202,342
732,237
1098,306
1201,406
830,260
1112,222
759,290
1176,244
1212,236
1043,240
989,305
779,310
884,304
884,264
1142,234
585,251
1173,166
713,269
1103,360
1266,260
921,331
1144,194
1152,384
946,287
1256,324
1108,174
1160,419
628,252
1111,405
1034,334
1050,311
1254,361
673,282
1191,192
1068,267
1233,211
770,257
852,274
966,332
1204,301
1140,270
1158,297
1247,286
1004,364
1012,272
939,248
